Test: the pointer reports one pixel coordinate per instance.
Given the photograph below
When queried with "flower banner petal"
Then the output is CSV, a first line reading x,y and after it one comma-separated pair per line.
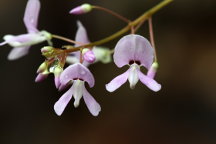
x,y
77,71
133,48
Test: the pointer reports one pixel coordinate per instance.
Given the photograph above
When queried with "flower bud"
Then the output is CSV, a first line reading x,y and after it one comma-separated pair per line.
x,y
47,49
153,69
89,55
42,67
41,76
84,8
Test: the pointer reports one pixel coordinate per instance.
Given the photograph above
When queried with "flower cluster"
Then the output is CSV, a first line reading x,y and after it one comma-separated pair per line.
x,y
70,64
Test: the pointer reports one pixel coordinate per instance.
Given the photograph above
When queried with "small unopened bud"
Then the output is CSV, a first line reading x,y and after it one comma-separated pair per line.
x,y
57,71
46,49
84,8
42,67
89,56
41,76
153,69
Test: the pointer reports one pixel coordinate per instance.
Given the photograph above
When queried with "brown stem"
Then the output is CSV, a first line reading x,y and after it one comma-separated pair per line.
x,y
112,13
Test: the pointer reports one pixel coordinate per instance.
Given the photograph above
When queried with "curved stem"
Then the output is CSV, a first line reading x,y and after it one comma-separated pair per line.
x,y
65,39
134,23
112,13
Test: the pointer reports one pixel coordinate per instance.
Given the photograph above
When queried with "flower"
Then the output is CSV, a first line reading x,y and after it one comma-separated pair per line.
x,y
135,51
22,43
78,74
89,56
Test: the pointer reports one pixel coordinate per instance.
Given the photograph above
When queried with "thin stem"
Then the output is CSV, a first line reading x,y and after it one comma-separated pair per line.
x,y
139,25
143,17
65,39
151,34
112,13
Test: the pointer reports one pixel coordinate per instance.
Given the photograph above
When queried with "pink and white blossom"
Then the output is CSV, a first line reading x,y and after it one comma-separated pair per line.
x,y
78,74
135,51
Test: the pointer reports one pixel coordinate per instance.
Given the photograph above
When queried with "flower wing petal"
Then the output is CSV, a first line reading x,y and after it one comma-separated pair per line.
x,y
31,15
77,71
63,101
149,82
91,103
17,53
117,82
133,47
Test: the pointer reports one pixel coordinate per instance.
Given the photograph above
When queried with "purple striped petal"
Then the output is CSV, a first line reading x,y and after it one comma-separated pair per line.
x,y
17,53
77,71
63,101
117,82
31,15
133,47
149,82
91,103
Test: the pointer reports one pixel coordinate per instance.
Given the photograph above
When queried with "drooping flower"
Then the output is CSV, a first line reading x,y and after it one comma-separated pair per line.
x,y
135,51
21,43
78,74
89,55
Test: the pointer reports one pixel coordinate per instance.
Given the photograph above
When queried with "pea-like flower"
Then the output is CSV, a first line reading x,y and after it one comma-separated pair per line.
x,y
21,43
135,51
78,74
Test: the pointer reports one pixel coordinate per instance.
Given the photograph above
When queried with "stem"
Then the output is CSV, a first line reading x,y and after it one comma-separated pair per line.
x,y
151,33
139,25
112,13
65,39
134,23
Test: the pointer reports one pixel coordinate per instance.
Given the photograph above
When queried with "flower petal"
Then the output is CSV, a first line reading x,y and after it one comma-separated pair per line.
x,y
31,15
17,53
77,71
149,82
62,102
117,82
133,47
81,35
91,103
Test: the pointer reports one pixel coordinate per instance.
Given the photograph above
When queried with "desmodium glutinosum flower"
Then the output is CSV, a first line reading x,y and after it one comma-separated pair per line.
x,y
21,43
78,74
135,51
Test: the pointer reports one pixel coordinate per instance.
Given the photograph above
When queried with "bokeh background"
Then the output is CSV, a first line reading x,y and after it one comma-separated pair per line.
x,y
183,112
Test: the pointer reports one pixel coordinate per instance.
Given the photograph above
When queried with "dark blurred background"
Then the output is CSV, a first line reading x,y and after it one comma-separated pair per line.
x,y
183,112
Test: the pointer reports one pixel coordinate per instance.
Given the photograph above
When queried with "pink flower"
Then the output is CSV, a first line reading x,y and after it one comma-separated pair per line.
x,y
22,43
135,51
78,74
